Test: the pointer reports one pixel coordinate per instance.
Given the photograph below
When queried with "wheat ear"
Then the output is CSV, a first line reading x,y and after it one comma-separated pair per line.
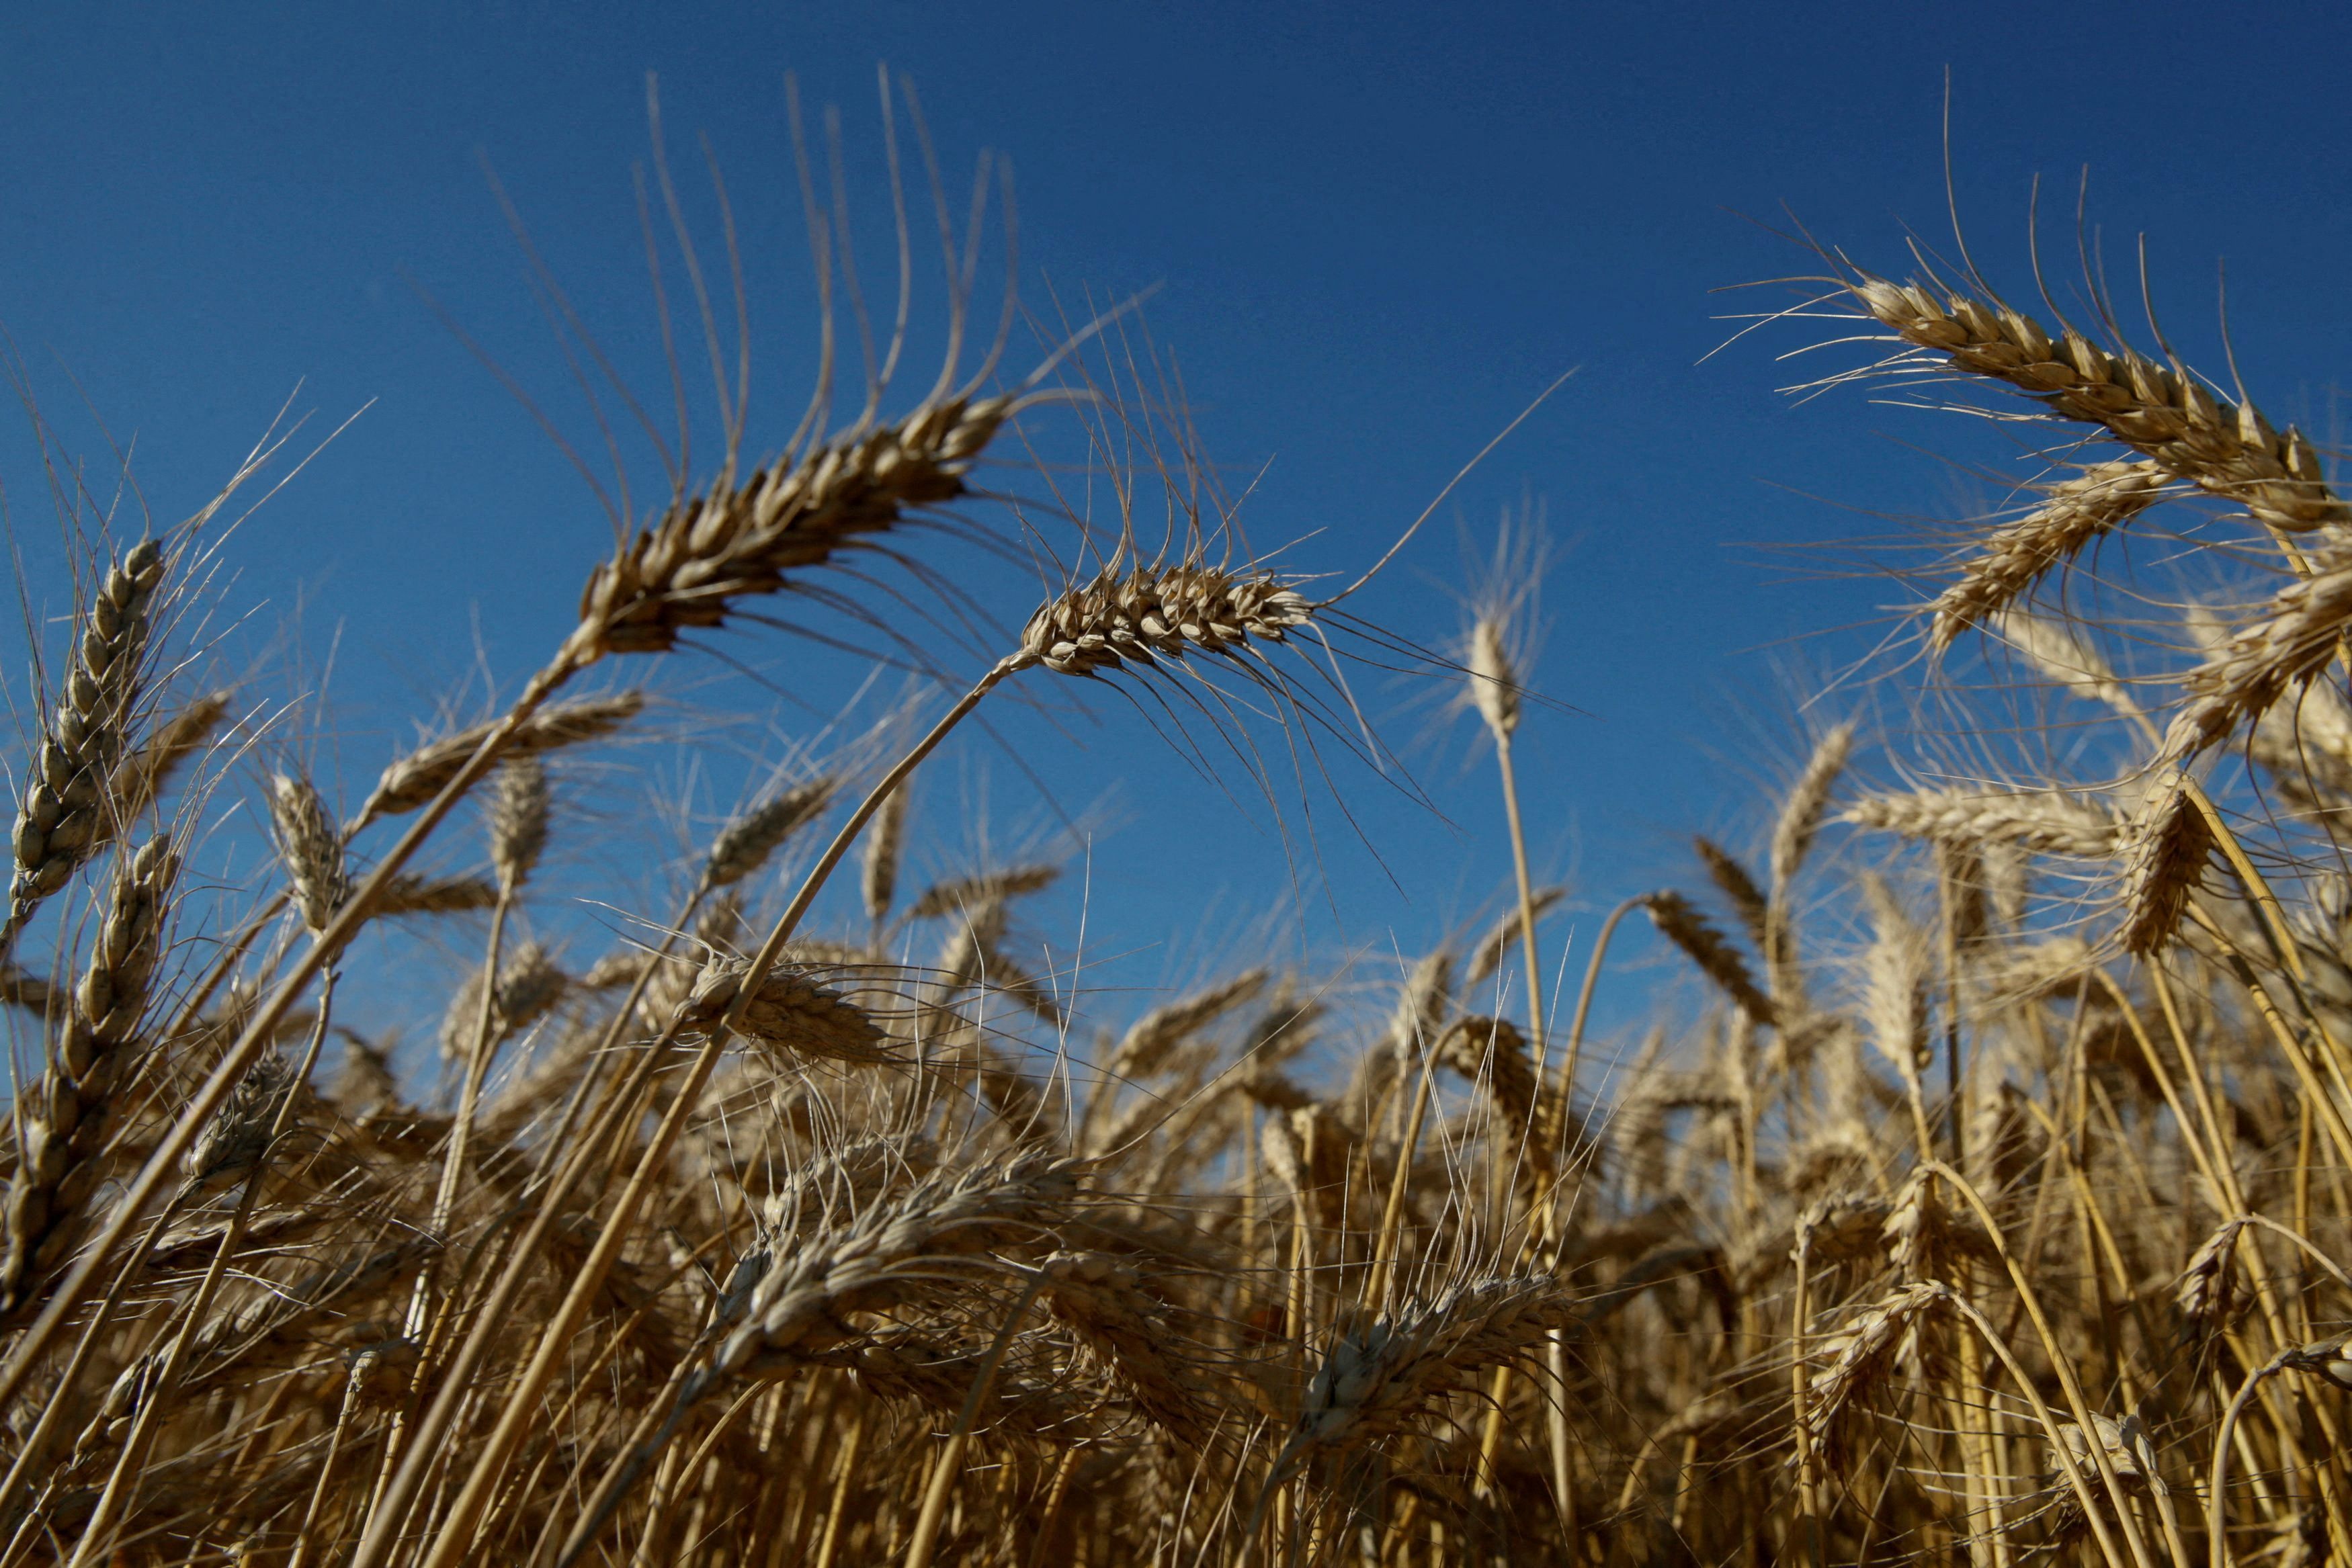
x,y
2044,821
64,1115
2018,554
1679,921
734,540
415,779
745,844
2166,414
63,814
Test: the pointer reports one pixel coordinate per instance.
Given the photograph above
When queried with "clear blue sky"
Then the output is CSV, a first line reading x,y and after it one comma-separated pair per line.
x,y
1376,231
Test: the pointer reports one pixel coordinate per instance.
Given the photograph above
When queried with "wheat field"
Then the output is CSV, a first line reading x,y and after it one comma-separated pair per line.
x,y
1979,1193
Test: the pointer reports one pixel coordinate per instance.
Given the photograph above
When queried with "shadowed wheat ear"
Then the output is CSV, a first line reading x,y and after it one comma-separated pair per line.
x,y
735,540
64,1115
415,779
519,813
1149,616
744,844
886,845
1679,921
62,815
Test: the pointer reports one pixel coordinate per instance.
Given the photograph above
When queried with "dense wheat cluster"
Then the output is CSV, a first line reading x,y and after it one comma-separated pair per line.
x,y
1991,1205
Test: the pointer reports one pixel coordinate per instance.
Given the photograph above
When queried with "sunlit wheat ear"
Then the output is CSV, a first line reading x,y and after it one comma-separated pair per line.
x,y
1681,923
519,813
1153,616
1501,938
2226,449
1146,1046
884,847
745,844
2290,643
2070,661
2044,821
1801,815
1494,682
735,540
309,848
1103,1302
2166,848
66,800
892,1252
2018,553
415,779
1872,1343
63,1115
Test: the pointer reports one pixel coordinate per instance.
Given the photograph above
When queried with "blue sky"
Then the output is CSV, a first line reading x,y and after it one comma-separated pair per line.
x,y
1375,232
